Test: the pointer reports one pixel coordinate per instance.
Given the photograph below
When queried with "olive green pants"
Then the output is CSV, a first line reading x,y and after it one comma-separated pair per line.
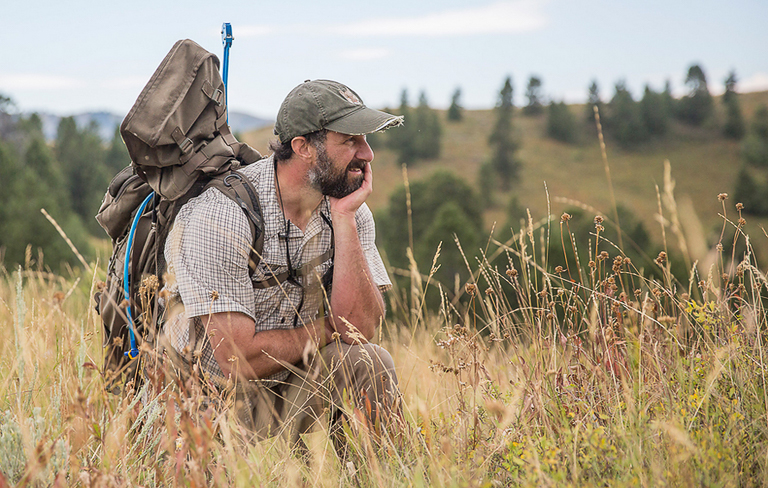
x,y
337,375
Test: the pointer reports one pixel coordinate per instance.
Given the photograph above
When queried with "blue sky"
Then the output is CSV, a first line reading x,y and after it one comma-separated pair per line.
x,y
76,56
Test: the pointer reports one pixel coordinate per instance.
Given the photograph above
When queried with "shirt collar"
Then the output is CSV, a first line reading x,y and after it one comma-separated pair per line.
x,y
270,206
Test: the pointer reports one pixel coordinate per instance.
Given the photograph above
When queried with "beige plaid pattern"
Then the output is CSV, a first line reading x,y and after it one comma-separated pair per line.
x,y
207,252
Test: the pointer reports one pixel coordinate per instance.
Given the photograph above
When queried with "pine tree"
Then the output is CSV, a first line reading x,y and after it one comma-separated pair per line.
x,y
117,156
501,140
81,155
593,99
401,139
455,110
754,148
696,107
734,127
561,125
624,122
535,105
747,192
427,131
653,111
428,197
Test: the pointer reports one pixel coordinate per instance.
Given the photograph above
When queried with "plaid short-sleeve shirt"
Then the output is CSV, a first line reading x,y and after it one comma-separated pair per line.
x,y
207,251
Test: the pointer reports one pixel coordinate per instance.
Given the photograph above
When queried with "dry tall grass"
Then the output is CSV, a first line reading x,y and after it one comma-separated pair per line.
x,y
591,374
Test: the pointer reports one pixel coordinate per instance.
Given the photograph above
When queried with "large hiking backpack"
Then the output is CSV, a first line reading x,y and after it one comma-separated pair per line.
x,y
180,145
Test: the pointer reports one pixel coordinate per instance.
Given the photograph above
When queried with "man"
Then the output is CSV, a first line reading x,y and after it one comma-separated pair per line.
x,y
319,241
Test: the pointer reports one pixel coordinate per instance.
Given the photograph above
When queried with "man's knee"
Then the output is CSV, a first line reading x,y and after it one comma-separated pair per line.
x,y
362,365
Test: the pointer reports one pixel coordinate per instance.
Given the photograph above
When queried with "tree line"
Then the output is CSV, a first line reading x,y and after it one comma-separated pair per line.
x,y
67,178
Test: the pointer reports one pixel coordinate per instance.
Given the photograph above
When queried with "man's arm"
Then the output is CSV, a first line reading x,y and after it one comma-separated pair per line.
x,y
242,353
354,295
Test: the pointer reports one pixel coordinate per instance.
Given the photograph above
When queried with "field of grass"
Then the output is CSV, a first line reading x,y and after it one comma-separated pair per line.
x,y
591,375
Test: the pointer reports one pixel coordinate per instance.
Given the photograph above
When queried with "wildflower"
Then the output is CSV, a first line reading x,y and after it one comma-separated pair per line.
x,y
638,292
617,264
739,207
559,269
598,219
742,222
661,258
592,264
470,288
214,295
565,217
722,197
603,255
511,272
719,247
599,227
489,291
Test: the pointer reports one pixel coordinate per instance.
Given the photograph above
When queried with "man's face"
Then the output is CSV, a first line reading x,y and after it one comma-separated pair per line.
x,y
340,165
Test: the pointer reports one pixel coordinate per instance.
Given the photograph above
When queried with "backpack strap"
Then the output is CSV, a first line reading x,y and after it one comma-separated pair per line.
x,y
240,190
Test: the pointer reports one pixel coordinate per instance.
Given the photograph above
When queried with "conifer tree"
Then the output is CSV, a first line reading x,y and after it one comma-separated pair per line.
x,y
400,139
654,112
734,127
754,148
503,146
593,99
455,110
697,106
535,105
624,122
117,156
561,125
427,132
81,155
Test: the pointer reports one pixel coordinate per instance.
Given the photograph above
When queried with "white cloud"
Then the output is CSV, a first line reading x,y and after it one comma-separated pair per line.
x,y
124,82
26,81
507,17
501,17
756,82
365,54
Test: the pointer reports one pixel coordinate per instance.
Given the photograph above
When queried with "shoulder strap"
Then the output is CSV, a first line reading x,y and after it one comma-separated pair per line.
x,y
240,190
306,268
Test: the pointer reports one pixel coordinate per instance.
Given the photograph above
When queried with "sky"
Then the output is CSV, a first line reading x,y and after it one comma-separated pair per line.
x,y
76,56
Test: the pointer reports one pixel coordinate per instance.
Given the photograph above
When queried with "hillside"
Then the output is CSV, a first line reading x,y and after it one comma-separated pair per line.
x,y
703,166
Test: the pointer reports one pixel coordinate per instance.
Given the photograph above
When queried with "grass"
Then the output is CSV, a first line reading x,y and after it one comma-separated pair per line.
x,y
590,375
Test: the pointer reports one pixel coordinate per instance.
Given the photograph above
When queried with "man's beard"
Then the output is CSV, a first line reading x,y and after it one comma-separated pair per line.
x,y
333,183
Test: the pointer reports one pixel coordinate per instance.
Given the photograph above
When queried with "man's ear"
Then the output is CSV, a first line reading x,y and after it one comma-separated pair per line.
x,y
301,147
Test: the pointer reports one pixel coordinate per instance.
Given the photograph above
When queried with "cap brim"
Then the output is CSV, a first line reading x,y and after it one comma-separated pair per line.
x,y
364,121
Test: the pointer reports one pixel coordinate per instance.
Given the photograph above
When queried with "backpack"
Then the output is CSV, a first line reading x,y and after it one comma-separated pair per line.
x,y
180,145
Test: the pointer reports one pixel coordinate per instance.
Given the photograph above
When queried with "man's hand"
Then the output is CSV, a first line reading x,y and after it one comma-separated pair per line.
x,y
348,205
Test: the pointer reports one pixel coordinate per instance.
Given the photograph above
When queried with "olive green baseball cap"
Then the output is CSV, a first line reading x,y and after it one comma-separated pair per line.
x,y
326,104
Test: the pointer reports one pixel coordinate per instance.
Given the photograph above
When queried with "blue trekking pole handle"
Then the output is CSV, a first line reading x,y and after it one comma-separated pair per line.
x,y
226,39
134,351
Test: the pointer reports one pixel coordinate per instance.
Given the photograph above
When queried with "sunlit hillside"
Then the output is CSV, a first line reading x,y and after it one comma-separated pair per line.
x,y
702,166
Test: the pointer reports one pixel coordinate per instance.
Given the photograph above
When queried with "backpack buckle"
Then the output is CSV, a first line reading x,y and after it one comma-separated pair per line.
x,y
218,97
184,142
186,145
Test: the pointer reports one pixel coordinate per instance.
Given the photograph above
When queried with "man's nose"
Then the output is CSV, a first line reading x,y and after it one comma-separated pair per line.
x,y
364,151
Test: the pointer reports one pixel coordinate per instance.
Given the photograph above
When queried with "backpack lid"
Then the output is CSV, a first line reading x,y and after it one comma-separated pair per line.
x,y
176,130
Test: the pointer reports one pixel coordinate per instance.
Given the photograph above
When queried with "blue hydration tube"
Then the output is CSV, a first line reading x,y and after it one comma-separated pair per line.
x,y
134,351
226,39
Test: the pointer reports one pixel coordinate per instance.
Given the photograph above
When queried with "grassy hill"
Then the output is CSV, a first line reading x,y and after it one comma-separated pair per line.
x,y
703,165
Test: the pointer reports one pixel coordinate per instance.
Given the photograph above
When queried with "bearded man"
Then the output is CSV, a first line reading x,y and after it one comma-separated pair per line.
x,y
297,347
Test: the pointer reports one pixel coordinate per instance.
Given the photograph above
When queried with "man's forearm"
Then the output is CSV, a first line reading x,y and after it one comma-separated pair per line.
x,y
354,295
242,353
